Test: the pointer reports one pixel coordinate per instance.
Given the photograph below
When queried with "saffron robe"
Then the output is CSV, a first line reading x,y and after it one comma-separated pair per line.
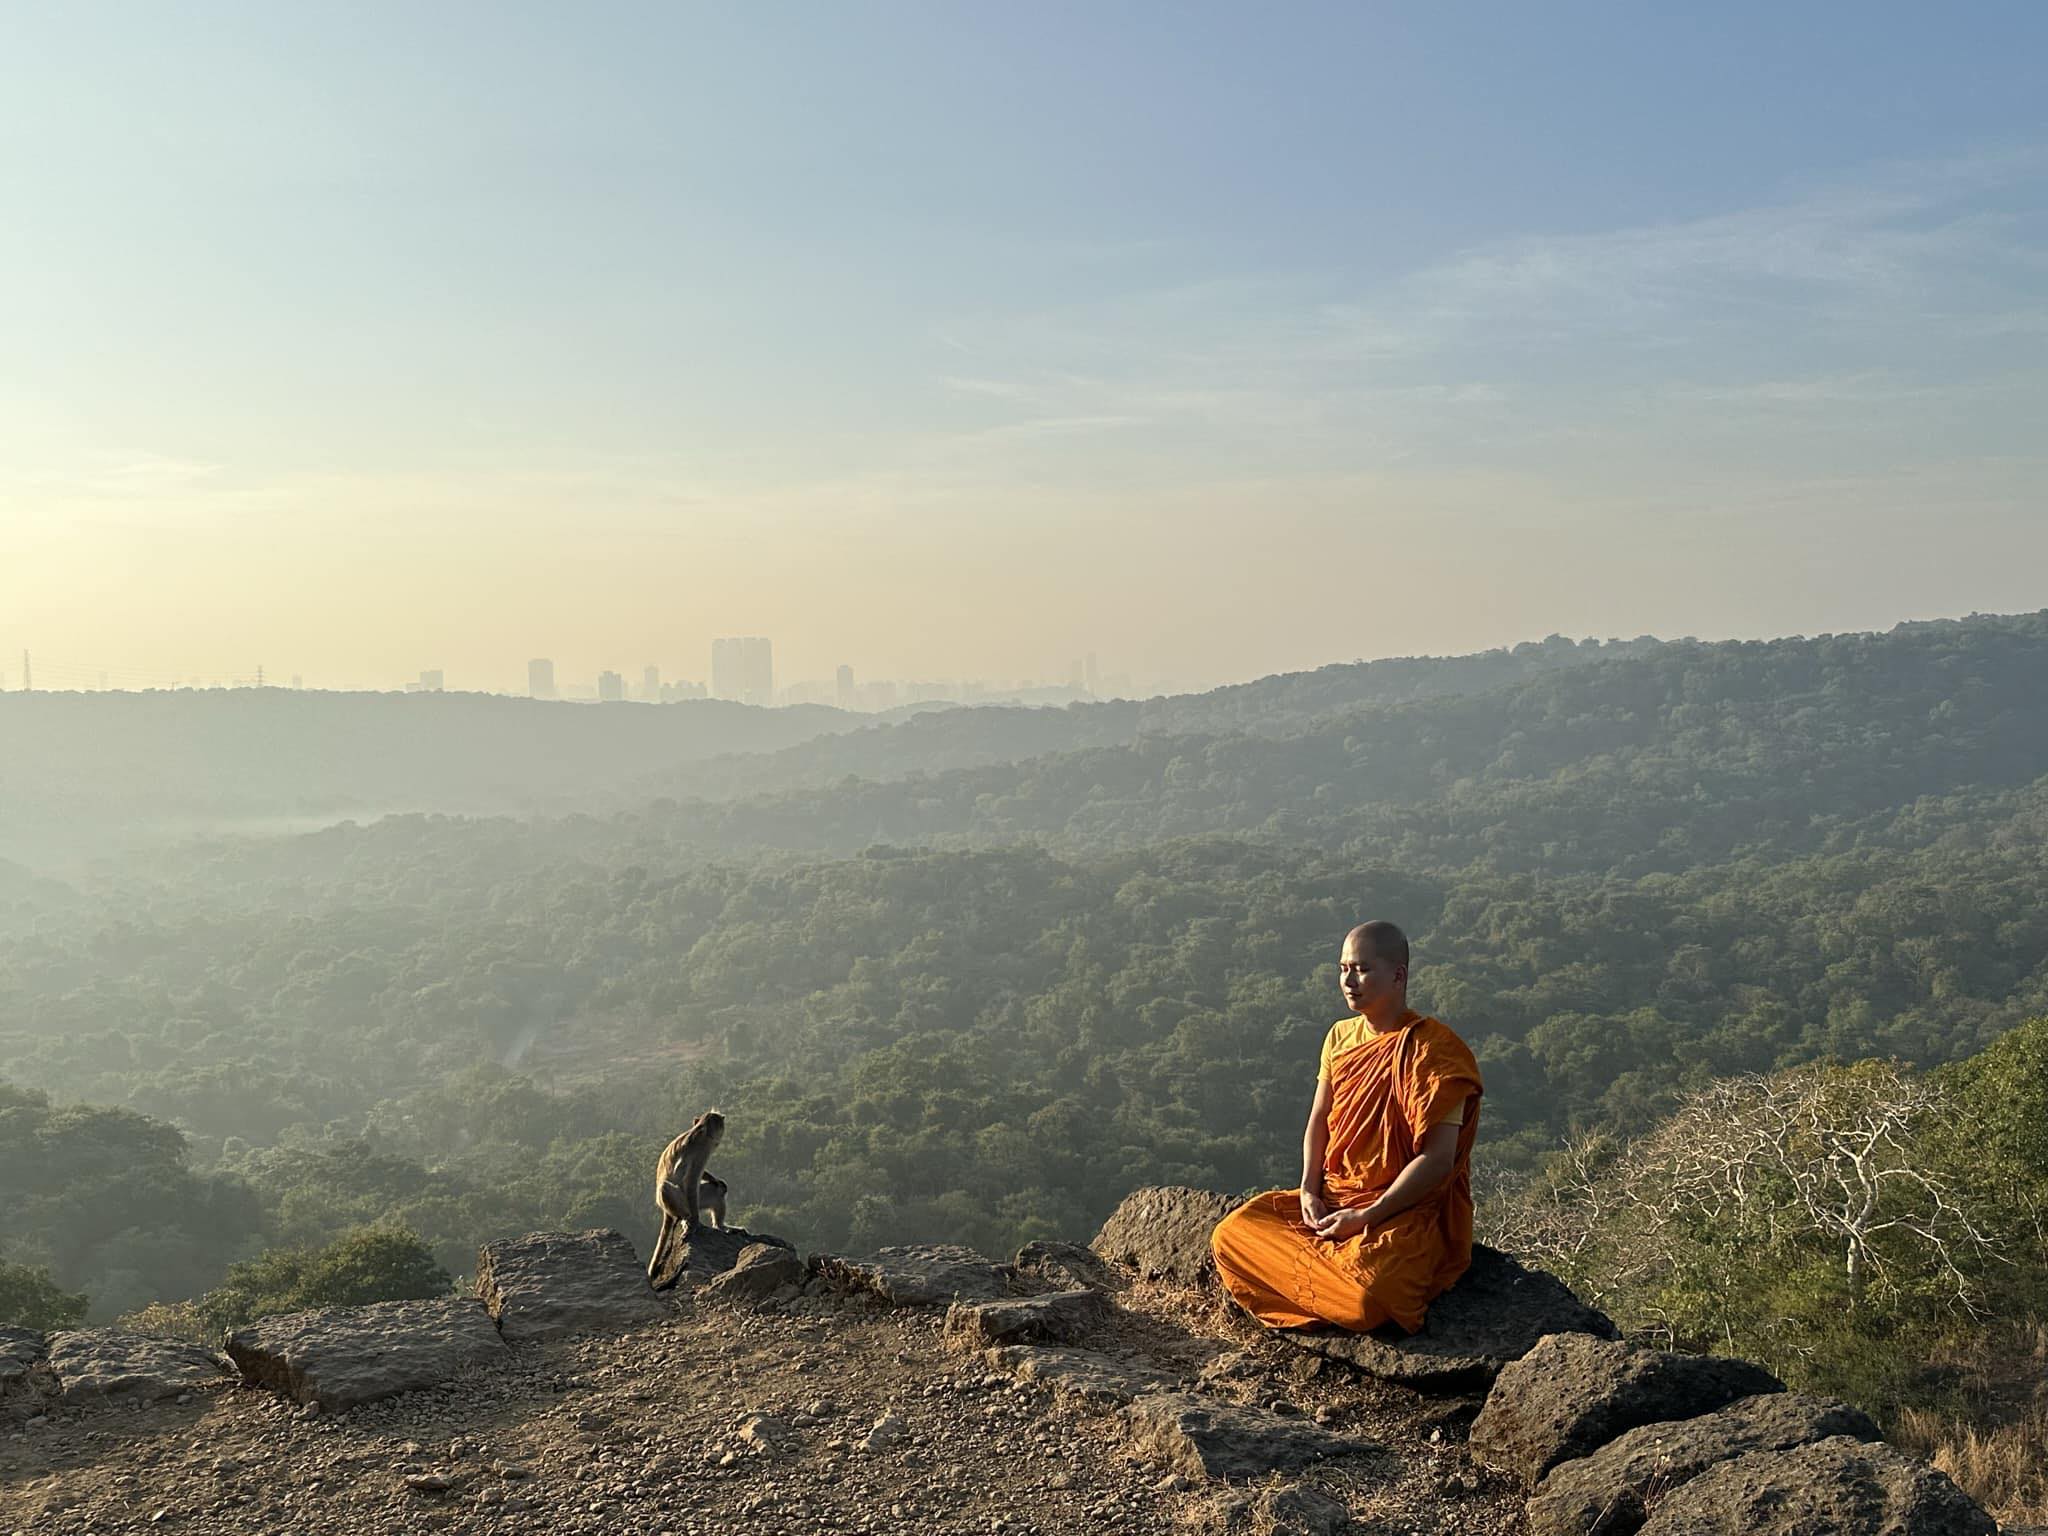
x,y
1387,1090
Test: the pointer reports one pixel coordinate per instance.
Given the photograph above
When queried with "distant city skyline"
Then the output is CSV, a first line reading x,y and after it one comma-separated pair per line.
x,y
962,340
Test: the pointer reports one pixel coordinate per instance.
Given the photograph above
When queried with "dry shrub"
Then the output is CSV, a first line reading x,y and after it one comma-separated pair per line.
x,y
170,1320
2001,1460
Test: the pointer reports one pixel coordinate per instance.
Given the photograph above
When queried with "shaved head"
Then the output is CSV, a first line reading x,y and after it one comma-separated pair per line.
x,y
1381,940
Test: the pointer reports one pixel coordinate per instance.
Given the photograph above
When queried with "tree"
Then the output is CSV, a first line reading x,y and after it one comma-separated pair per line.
x,y
29,1298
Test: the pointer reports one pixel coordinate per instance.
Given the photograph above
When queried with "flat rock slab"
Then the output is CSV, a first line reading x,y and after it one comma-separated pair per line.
x,y
710,1251
1842,1486
919,1275
1081,1376
1494,1315
1163,1233
1059,1317
1611,1492
349,1355
1573,1393
761,1271
1202,1437
548,1284
112,1364
1066,1266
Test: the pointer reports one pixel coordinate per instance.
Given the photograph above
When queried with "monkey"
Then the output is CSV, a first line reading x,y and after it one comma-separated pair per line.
x,y
678,1184
711,1200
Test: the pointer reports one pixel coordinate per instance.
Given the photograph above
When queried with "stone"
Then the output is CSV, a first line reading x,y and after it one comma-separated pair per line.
x,y
1842,1486
886,1431
1060,1317
1573,1393
761,1270
1492,1316
765,1431
1206,1438
1084,1377
918,1275
709,1251
21,1350
111,1364
1163,1233
1611,1492
1292,1509
549,1284
346,1356
1066,1266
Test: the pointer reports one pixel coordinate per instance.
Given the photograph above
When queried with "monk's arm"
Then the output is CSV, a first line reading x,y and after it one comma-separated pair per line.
x,y
1315,1141
1424,1176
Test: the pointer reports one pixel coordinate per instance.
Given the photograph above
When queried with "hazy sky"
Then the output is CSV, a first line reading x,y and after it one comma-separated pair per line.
x,y
958,339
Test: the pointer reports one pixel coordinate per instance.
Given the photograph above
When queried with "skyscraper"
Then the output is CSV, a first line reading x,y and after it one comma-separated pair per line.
x,y
611,687
847,696
540,678
743,669
650,684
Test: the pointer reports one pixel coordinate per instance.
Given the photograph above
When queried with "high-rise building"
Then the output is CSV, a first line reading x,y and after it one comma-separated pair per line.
x,y
430,681
847,696
611,687
650,684
743,669
1092,676
540,678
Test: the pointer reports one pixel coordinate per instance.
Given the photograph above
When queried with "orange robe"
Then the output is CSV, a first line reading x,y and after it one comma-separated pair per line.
x,y
1387,1089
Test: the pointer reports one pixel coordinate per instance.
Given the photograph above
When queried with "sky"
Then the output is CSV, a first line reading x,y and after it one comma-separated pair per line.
x,y
961,339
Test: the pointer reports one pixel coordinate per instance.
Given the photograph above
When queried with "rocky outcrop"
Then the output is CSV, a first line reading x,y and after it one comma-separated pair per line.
x,y
917,1275
350,1355
1060,1317
21,1350
1163,1233
1611,1492
1064,1266
761,1270
110,1364
1842,1485
1202,1437
709,1251
547,1284
1573,1393
1493,1316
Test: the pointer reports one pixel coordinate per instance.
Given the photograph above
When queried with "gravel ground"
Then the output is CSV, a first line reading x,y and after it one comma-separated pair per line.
x,y
818,1415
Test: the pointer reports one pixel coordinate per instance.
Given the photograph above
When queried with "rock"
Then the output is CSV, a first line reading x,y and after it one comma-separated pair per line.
x,y
765,1431
1610,1492
105,1364
1291,1509
1841,1486
1066,1266
1206,1438
710,1251
887,1431
21,1350
350,1355
1081,1376
1493,1315
1163,1233
1061,1317
547,1284
920,1275
1573,1393
761,1271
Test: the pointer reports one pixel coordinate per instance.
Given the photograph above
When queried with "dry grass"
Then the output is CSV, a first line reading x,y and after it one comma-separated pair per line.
x,y
2001,1459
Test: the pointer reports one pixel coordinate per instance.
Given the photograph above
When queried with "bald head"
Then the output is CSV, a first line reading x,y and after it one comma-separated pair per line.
x,y
1381,940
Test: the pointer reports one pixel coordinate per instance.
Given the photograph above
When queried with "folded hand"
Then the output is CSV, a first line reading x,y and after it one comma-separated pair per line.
x,y
1338,1225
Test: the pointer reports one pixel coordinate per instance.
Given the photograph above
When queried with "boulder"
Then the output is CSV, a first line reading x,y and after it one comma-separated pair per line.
x,y
1295,1509
1573,1393
1842,1486
1493,1315
1067,1265
21,1350
349,1355
1060,1317
710,1251
547,1284
1611,1492
1163,1233
1081,1376
761,1270
918,1275
1202,1437
108,1364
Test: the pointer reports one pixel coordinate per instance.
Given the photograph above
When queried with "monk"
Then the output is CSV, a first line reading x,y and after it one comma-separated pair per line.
x,y
1382,1223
